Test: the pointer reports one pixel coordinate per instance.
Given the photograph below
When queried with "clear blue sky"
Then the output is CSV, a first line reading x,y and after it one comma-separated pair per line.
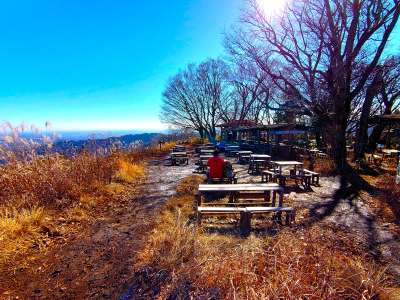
x,y
101,64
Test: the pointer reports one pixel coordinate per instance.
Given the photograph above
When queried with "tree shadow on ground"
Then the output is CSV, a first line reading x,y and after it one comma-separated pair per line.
x,y
351,186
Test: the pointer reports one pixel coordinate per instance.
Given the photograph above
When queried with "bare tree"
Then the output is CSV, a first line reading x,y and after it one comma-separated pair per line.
x,y
388,99
314,49
193,97
250,93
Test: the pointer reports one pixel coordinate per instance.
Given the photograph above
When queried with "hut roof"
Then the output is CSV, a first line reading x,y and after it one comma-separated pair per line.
x,y
239,123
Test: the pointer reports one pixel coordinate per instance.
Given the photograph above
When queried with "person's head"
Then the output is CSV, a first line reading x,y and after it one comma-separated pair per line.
x,y
216,153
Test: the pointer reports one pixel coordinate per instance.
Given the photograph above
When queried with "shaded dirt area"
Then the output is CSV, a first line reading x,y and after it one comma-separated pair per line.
x,y
96,262
334,202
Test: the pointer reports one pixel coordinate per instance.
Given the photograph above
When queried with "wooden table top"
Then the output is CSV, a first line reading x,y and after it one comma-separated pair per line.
x,y
253,187
178,153
390,151
288,163
260,156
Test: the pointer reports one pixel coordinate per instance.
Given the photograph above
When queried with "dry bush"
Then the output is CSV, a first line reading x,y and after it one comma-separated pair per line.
x,y
314,263
325,167
390,197
53,178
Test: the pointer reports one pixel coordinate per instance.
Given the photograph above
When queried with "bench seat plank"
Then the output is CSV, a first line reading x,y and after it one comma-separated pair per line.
x,y
220,209
239,187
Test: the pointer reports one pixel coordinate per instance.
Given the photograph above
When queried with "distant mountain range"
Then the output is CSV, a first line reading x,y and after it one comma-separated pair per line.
x,y
128,141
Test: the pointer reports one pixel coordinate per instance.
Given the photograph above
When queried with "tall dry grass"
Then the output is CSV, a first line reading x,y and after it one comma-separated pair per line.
x,y
38,189
314,263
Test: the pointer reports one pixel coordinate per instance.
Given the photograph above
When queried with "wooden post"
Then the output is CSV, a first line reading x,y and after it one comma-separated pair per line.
x,y
245,223
197,200
273,198
288,218
267,197
280,198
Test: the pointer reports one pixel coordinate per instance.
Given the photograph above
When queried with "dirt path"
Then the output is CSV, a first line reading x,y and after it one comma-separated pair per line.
x,y
98,262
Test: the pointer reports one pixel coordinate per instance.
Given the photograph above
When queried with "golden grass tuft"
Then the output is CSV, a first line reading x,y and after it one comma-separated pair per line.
x,y
129,172
20,229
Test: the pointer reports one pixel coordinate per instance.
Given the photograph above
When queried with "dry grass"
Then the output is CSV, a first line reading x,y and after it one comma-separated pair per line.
x,y
20,230
326,166
314,263
390,198
128,172
37,190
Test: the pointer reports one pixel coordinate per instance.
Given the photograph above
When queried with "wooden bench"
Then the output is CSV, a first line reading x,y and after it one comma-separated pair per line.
x,y
269,192
226,180
246,214
202,165
179,157
314,176
268,176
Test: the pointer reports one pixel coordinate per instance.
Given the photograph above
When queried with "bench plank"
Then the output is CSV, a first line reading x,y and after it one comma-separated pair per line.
x,y
240,187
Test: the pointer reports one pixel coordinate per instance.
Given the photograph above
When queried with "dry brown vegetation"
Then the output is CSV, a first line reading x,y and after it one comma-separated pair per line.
x,y
42,196
318,262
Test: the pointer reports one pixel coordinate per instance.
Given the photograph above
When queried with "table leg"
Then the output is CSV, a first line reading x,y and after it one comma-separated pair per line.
x,y
245,223
280,198
273,198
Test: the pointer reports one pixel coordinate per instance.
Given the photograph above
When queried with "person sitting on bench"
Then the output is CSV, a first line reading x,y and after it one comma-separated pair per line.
x,y
216,165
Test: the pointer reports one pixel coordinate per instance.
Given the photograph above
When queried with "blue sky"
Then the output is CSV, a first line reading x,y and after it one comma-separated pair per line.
x,y
101,64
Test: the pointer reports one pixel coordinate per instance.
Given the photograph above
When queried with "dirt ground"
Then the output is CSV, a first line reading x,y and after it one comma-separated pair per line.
x,y
331,203
97,262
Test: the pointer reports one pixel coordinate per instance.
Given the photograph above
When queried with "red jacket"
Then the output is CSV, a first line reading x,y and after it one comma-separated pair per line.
x,y
216,165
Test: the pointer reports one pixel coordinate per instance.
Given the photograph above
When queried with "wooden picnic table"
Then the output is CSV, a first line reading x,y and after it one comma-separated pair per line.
x,y
247,211
207,148
390,152
206,151
244,156
180,153
260,156
258,162
239,187
179,157
244,190
232,150
296,173
287,163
